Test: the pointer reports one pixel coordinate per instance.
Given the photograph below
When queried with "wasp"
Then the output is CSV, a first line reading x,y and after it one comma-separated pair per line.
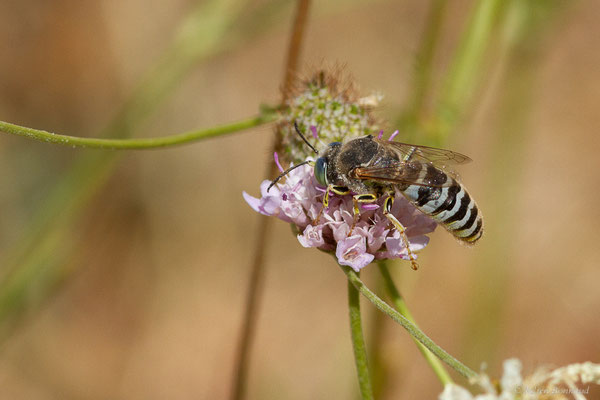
x,y
369,168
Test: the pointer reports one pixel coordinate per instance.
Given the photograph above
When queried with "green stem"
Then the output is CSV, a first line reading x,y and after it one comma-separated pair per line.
x,y
200,36
413,330
379,363
469,57
424,58
517,62
466,69
358,343
136,144
258,267
398,301
414,118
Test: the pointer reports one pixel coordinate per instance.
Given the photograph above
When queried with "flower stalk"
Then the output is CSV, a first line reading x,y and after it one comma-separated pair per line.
x,y
138,144
465,71
398,301
412,329
358,344
257,268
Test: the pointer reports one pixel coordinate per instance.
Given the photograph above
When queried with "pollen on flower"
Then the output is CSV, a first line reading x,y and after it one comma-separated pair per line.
x,y
299,200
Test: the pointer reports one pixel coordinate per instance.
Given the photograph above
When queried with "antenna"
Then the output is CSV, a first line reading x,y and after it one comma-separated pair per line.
x,y
303,138
287,171
284,173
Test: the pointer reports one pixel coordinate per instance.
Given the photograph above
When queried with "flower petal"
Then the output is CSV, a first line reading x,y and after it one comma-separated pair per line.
x,y
252,201
351,251
455,392
312,236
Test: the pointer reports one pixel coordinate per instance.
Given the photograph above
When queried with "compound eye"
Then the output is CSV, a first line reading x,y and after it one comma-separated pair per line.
x,y
321,170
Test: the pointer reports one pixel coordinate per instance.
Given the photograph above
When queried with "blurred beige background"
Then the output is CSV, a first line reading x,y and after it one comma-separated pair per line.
x,y
159,260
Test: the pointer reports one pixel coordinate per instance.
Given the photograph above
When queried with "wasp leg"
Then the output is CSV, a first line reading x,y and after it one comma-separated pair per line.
x,y
339,190
387,208
360,198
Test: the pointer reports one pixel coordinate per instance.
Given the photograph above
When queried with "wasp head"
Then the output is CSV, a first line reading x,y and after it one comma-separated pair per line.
x,y
325,171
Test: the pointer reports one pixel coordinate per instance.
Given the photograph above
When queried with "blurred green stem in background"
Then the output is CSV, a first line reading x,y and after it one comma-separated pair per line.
x,y
412,329
466,70
401,306
257,267
472,59
139,144
380,359
358,344
435,128
202,34
413,118
516,59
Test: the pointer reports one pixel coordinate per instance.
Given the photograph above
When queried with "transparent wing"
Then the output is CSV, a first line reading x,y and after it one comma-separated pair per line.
x,y
441,158
405,173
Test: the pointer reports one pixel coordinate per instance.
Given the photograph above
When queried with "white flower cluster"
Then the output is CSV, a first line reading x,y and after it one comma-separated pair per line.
x,y
544,384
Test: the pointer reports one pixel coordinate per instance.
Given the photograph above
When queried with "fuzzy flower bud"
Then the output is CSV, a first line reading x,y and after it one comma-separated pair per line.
x,y
327,110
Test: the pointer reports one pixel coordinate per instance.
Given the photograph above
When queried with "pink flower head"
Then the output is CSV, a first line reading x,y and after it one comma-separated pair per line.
x,y
300,199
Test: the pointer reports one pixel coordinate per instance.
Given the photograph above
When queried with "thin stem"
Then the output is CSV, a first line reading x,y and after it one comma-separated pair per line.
x,y
358,344
467,66
515,81
136,144
377,351
200,36
253,296
398,301
413,330
424,57
295,45
414,118
255,284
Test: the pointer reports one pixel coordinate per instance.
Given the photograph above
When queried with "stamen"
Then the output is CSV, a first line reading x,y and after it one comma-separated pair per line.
x,y
380,134
313,129
298,186
276,157
393,136
351,255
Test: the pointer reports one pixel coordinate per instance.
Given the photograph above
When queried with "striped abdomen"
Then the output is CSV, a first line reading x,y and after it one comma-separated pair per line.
x,y
449,205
